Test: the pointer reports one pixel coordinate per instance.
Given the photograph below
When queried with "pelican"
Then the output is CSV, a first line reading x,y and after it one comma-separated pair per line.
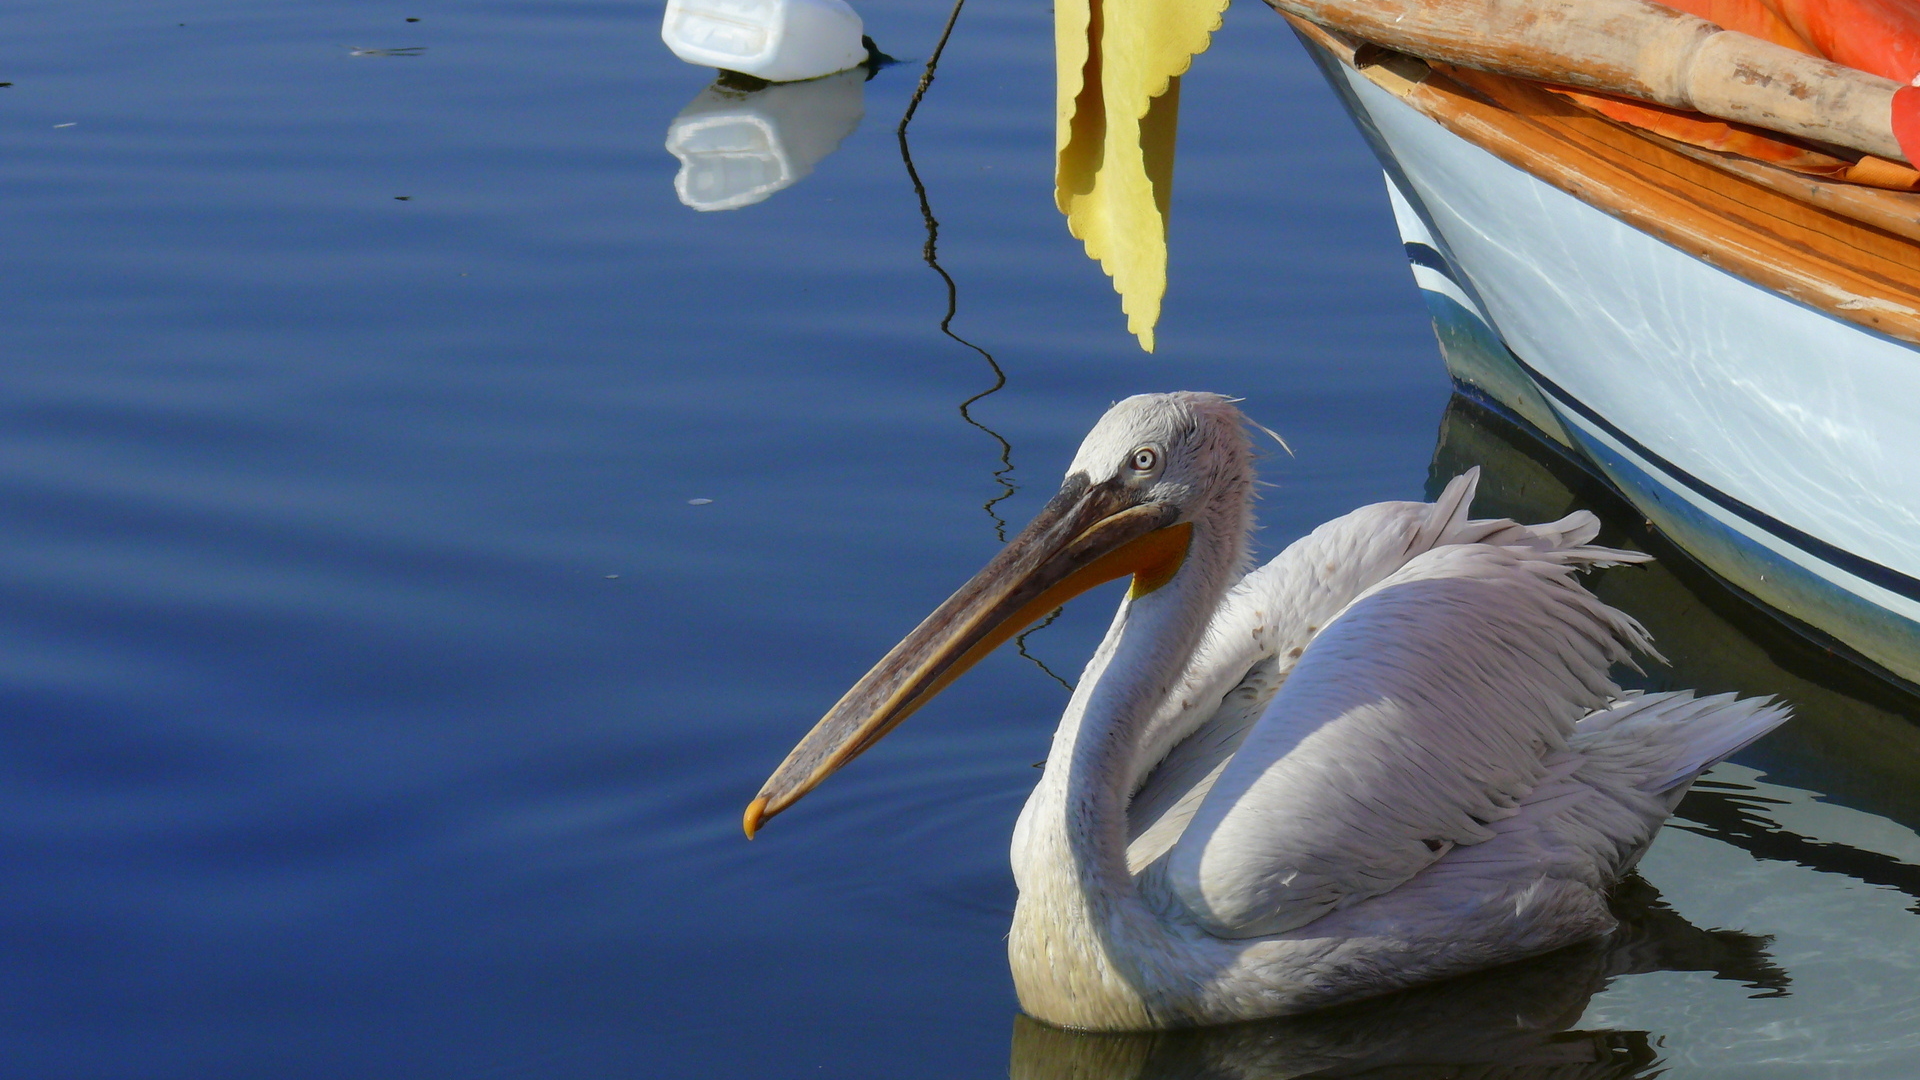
x,y
1392,755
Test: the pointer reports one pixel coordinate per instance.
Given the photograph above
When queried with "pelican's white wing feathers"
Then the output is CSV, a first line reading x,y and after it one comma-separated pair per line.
x,y
1266,621
1539,882
1421,715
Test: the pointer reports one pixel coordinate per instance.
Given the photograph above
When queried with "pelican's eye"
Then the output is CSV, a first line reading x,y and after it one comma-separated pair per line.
x,y
1145,459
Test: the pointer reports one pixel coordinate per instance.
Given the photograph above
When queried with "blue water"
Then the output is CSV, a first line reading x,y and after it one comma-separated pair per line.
x,y
379,691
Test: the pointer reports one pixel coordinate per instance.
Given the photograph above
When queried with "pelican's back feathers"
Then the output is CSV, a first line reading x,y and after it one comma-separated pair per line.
x,y
1661,742
1456,691
1424,712
1266,622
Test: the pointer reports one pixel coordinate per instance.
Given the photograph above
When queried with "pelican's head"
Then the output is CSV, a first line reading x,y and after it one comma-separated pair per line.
x,y
1188,451
1156,470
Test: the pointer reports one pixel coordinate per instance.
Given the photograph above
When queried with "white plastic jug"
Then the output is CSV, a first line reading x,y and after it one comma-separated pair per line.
x,y
775,40
737,148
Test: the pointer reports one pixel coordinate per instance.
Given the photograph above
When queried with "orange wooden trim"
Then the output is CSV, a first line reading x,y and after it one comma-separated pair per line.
x,y
1883,210
1799,248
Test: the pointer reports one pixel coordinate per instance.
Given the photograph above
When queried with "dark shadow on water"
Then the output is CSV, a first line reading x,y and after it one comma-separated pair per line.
x,y
1734,814
1515,1022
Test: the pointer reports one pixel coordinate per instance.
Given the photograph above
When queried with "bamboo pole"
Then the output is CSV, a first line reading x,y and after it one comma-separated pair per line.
x,y
1636,49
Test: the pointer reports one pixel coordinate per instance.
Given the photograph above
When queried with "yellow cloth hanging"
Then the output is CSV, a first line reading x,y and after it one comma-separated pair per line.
x,y
1119,67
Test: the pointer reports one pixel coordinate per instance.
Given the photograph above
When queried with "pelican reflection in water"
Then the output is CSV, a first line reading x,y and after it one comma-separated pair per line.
x,y
1390,756
1517,1022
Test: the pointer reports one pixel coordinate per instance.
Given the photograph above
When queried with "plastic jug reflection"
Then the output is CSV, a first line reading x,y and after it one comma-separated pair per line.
x,y
738,146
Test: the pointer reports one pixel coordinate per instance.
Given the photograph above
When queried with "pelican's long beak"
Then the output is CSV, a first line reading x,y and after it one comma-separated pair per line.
x,y
1088,535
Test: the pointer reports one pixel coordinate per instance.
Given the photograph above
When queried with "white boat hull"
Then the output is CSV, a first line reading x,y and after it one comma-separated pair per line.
x,y
1778,445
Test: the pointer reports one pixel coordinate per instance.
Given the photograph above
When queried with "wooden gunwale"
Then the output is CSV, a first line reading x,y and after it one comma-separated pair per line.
x,y
1890,212
1853,254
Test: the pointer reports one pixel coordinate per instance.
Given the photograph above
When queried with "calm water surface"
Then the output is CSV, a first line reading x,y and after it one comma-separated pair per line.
x,y
378,699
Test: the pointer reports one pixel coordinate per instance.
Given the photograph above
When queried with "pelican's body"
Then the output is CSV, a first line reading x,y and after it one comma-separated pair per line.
x,y
1391,755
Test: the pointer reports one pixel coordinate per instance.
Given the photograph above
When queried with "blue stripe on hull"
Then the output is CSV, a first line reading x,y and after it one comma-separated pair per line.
x,y
1865,569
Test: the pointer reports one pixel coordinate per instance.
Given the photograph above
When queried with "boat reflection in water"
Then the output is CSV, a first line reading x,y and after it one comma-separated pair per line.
x,y
742,139
1805,842
1854,737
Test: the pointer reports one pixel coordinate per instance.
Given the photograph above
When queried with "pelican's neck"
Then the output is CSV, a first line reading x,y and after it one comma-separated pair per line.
x,y
1093,762
1081,924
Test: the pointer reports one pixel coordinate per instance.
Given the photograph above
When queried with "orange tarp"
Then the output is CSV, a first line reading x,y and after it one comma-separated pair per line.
x,y
1881,36
1878,36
